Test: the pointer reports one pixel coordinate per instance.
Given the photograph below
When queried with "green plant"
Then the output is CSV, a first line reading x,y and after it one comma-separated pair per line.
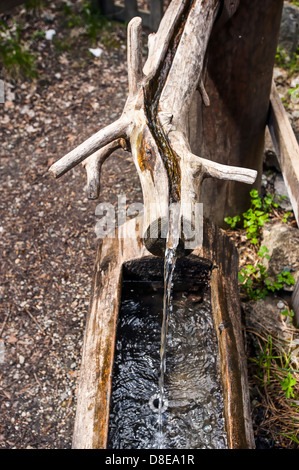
x,y
277,382
293,437
232,221
257,215
286,216
34,5
274,364
264,361
14,54
38,34
288,385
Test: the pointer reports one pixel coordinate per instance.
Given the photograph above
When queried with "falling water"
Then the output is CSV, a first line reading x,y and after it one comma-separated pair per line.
x,y
169,265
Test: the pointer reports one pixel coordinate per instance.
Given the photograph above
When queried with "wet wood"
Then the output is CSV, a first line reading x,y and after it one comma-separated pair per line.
x,y
92,417
286,147
114,258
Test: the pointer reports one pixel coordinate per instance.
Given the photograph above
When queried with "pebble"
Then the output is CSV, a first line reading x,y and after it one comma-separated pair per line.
x,y
280,305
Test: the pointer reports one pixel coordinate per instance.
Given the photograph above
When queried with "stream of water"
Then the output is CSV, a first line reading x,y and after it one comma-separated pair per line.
x,y
169,266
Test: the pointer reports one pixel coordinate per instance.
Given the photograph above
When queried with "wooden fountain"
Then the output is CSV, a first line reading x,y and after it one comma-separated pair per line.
x,y
155,128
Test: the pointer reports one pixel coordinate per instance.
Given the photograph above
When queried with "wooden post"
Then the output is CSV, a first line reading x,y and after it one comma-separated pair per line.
x,y
295,302
240,59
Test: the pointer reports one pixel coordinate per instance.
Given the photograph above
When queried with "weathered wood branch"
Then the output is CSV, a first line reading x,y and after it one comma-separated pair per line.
x,y
154,118
105,136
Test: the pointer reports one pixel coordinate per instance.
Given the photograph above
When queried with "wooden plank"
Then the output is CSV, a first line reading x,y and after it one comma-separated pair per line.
x,y
92,416
286,148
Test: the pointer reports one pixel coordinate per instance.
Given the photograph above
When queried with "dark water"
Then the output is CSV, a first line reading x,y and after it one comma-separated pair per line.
x,y
194,415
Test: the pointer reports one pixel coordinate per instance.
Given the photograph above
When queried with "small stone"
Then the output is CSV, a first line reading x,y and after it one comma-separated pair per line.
x,y
21,359
280,305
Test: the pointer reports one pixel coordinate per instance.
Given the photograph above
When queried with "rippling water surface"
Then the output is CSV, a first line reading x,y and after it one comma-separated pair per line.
x,y
194,415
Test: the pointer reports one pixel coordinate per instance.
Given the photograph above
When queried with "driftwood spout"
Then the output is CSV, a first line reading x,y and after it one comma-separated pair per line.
x,y
153,125
126,257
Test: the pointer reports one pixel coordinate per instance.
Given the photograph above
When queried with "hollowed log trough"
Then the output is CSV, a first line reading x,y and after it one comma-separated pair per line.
x,y
126,253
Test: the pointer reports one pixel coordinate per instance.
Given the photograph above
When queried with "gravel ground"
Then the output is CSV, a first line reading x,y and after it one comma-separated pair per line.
x,y
47,238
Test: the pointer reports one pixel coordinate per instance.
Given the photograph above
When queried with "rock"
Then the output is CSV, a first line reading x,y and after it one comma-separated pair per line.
x,y
289,28
279,74
96,52
282,242
280,304
281,190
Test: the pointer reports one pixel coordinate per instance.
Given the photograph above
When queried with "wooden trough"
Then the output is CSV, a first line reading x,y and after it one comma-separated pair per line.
x,y
155,126
92,418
